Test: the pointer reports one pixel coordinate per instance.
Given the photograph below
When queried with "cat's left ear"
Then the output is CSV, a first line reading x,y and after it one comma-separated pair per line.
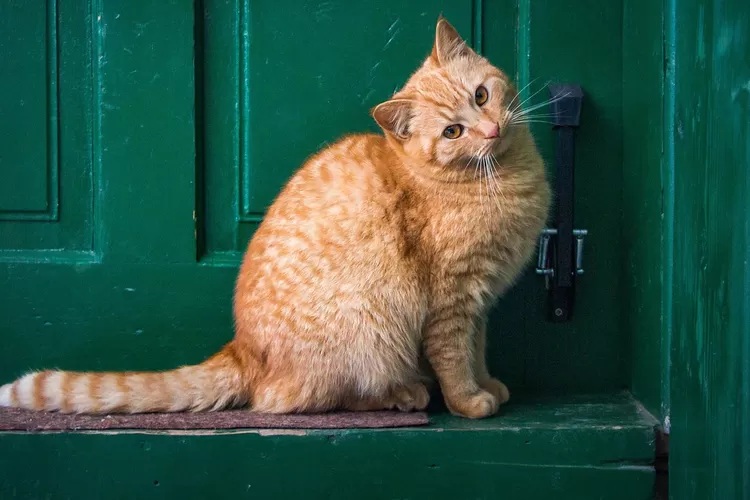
x,y
448,43
394,116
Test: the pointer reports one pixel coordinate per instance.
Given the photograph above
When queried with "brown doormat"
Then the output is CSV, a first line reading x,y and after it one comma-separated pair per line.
x,y
14,419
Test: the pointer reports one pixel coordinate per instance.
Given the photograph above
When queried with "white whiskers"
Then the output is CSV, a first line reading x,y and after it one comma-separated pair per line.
x,y
486,168
519,114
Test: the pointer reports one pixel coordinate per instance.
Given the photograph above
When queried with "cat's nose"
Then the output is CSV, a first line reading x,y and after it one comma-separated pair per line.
x,y
489,129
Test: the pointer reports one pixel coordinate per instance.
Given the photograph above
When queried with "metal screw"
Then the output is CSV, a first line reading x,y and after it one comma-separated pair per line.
x,y
558,312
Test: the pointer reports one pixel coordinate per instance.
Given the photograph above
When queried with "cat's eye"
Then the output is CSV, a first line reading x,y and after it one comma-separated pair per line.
x,y
481,95
453,131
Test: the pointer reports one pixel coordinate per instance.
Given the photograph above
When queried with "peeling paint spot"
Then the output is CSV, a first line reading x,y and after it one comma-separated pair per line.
x,y
727,37
745,87
390,40
369,94
140,28
393,30
282,432
323,11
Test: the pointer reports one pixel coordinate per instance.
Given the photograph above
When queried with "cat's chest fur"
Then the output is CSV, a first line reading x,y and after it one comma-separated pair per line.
x,y
480,247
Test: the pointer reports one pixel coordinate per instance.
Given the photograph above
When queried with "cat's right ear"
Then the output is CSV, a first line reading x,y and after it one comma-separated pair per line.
x,y
448,43
394,116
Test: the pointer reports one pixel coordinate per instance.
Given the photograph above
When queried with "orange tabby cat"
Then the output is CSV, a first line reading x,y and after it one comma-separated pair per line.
x,y
379,250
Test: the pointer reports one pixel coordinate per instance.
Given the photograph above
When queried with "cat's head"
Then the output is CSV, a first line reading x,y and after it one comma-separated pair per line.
x,y
453,110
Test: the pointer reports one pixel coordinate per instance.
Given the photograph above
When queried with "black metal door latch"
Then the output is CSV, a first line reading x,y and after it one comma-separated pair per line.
x,y
560,258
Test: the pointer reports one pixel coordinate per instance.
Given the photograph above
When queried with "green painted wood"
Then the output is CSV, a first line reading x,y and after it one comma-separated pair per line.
x,y
118,317
195,125
146,150
83,466
26,168
45,135
710,369
563,448
177,123
589,353
646,201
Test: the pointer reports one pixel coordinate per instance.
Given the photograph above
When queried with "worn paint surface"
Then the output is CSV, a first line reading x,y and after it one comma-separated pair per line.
x,y
710,441
567,448
175,135
589,353
45,168
647,200
169,129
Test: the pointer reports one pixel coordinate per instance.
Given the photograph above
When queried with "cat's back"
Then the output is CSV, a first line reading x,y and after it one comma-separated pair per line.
x,y
333,235
350,170
339,211
344,191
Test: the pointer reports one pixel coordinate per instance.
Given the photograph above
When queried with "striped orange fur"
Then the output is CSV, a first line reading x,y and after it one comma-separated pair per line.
x,y
380,253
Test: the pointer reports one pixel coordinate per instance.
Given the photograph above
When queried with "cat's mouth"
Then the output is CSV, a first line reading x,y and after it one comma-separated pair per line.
x,y
494,149
486,162
489,154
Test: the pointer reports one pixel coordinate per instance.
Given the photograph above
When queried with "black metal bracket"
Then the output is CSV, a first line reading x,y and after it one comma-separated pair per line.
x,y
561,248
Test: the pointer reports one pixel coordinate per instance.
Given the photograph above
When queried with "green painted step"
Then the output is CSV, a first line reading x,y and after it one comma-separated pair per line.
x,y
564,447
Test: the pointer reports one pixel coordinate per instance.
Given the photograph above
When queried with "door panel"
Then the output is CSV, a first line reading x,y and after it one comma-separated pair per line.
x,y
27,168
146,124
45,163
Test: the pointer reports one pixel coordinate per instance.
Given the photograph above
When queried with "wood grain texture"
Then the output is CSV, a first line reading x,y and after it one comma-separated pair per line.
x,y
710,368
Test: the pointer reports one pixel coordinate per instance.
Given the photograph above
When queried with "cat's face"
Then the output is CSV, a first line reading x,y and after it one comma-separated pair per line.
x,y
454,110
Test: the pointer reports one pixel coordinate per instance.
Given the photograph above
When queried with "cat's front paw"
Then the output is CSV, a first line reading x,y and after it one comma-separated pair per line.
x,y
476,405
496,388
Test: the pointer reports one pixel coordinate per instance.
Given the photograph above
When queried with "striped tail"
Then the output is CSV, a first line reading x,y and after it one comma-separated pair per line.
x,y
212,385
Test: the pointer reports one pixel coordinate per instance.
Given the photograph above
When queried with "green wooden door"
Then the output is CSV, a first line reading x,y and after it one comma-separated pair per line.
x,y
141,142
148,138
146,141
